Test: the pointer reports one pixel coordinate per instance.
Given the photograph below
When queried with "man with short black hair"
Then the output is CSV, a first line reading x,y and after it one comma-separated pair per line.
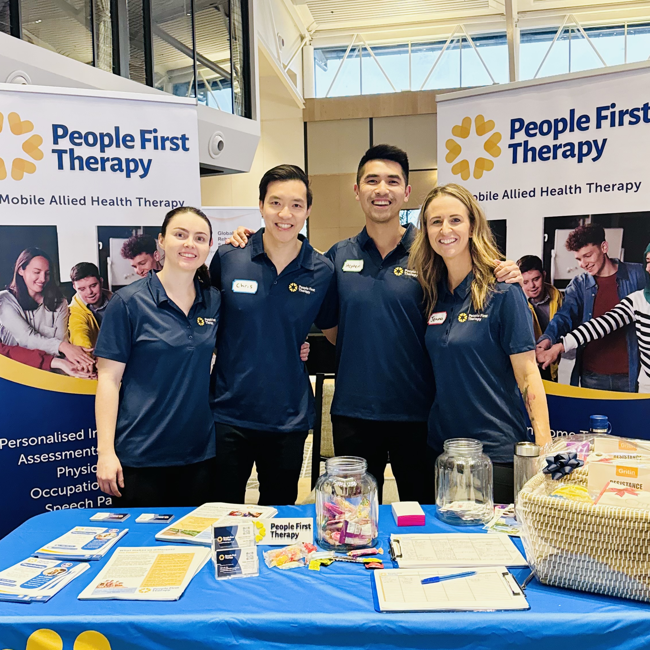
x,y
142,252
272,291
87,306
543,299
610,363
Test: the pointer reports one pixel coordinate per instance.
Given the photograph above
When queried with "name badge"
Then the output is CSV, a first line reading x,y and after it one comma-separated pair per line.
x,y
438,318
353,266
244,286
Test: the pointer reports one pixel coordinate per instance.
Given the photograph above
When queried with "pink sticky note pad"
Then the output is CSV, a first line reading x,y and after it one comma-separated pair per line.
x,y
408,513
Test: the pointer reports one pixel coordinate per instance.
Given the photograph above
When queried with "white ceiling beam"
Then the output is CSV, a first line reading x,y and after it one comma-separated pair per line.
x,y
512,34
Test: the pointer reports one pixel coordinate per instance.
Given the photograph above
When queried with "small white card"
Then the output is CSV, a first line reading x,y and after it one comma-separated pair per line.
x,y
110,516
151,518
283,532
244,286
353,266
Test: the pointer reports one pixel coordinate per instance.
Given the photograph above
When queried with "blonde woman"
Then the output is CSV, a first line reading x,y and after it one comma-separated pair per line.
x,y
479,336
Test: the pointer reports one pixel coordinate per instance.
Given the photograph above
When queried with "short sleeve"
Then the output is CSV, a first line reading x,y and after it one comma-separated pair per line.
x,y
215,270
516,333
116,333
328,315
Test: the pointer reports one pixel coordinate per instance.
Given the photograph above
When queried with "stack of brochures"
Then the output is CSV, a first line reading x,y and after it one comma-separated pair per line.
x,y
82,543
147,573
196,526
37,580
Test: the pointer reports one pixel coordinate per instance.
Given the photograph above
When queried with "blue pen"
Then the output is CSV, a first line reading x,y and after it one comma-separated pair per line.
x,y
453,576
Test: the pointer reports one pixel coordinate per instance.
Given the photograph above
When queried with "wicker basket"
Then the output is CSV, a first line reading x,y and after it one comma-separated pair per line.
x,y
599,549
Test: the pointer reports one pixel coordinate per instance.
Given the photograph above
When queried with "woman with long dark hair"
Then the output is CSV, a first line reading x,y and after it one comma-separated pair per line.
x,y
155,430
34,313
479,336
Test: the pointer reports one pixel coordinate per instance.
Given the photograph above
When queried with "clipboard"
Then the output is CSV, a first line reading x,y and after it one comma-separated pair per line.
x,y
491,589
414,551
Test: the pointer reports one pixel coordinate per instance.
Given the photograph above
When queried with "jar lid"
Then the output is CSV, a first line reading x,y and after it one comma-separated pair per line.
x,y
598,421
527,449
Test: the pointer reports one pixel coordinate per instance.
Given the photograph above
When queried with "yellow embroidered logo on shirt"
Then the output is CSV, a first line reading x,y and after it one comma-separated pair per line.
x,y
398,270
462,317
200,321
293,287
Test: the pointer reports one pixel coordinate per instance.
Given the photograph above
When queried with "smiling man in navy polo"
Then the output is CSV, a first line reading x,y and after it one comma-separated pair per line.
x,y
272,291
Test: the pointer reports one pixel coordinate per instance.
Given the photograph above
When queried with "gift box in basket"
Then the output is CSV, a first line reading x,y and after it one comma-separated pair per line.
x,y
574,541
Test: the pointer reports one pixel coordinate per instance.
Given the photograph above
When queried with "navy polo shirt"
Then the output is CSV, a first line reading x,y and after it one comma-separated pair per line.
x,y
259,381
479,397
164,416
383,371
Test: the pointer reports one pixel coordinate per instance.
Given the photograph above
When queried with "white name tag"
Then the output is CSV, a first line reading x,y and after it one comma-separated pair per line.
x,y
353,266
438,318
244,286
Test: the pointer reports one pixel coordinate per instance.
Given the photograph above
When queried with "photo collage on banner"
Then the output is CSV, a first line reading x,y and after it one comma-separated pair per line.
x,y
557,161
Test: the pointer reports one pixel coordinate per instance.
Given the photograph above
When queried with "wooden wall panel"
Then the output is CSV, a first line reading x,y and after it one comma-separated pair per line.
x,y
336,147
416,134
360,106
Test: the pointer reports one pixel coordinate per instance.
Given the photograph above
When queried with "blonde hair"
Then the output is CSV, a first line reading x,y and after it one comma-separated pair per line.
x,y
430,267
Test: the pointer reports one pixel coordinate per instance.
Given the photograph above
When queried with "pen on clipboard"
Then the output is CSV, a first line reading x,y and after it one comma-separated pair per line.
x,y
453,576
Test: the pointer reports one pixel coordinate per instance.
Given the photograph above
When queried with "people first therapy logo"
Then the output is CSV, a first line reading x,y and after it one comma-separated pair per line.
x,y
458,147
29,146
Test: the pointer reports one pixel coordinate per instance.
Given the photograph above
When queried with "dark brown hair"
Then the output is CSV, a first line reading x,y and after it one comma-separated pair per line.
x,y
584,235
52,296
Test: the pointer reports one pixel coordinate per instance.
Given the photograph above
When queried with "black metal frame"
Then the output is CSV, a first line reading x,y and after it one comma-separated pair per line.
x,y
147,23
120,37
15,19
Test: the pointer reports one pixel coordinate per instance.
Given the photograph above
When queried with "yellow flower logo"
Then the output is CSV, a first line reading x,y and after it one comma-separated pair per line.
x,y
491,146
49,640
21,166
200,321
293,287
462,317
398,270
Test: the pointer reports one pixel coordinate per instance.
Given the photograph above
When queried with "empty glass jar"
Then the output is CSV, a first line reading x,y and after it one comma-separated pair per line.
x,y
464,483
346,505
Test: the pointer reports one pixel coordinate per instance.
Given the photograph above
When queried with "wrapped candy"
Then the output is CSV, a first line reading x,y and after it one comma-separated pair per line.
x,y
290,557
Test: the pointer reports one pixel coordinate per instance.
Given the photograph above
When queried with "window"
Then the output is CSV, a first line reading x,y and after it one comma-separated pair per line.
x,y
416,66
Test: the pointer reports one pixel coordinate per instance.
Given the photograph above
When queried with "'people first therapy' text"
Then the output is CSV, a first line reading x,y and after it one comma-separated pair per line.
x,y
113,147
560,130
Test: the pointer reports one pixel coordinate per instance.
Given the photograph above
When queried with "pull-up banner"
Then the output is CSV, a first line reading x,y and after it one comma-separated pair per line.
x,y
83,175
570,145
548,156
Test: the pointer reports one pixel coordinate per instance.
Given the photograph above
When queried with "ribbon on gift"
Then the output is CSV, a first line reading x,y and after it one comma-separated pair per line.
x,y
621,492
562,465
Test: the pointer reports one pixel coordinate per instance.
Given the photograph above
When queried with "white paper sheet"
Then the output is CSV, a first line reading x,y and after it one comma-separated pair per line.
x,y
83,543
147,573
455,549
37,579
196,526
492,588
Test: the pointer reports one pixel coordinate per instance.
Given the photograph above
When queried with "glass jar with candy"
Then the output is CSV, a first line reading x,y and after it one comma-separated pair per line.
x,y
346,505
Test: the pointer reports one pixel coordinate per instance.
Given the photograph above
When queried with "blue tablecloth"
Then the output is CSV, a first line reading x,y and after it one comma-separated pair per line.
x,y
332,608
